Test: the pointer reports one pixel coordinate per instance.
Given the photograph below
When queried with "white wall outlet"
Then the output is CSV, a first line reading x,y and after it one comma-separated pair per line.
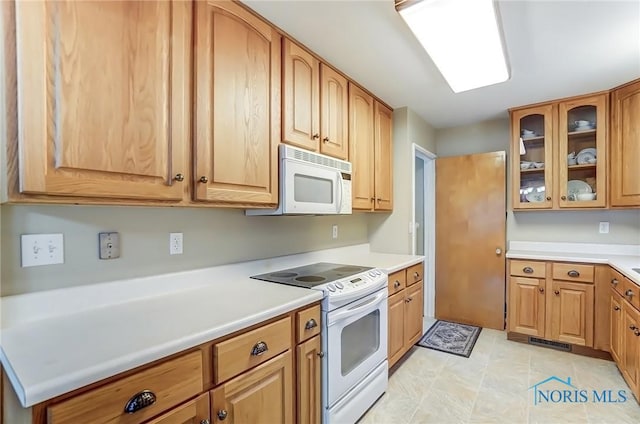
x,y
334,232
41,249
604,227
175,243
109,245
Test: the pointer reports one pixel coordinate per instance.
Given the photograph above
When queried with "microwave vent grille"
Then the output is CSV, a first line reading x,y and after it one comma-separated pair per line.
x,y
306,156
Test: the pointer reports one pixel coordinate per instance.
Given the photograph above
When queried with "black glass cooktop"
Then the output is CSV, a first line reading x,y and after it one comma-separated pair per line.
x,y
312,275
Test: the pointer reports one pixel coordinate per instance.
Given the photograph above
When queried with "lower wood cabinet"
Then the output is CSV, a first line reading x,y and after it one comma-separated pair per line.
x,y
527,305
309,378
571,317
196,411
405,311
616,315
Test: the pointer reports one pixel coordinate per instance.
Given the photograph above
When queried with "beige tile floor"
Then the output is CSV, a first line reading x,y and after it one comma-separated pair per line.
x,y
491,386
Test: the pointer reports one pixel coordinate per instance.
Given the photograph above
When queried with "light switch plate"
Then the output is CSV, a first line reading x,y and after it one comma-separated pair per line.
x,y
109,245
41,249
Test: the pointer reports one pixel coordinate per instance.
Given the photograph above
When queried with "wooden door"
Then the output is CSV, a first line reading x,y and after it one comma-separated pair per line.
x,y
383,175
103,115
414,307
570,318
585,177
532,187
361,153
526,306
630,350
395,336
616,314
237,105
334,117
470,239
625,146
262,395
195,411
309,381
300,97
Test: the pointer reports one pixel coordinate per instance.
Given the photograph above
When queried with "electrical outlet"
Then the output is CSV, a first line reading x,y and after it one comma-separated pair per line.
x,y
109,245
175,243
604,227
41,249
334,232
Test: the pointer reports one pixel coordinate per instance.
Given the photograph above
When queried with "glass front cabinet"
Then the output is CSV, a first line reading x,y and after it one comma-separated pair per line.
x,y
559,154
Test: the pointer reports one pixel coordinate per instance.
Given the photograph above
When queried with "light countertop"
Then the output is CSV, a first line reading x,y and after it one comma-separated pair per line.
x,y
621,257
60,340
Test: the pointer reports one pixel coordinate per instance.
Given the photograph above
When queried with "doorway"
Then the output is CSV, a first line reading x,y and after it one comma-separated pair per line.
x,y
423,221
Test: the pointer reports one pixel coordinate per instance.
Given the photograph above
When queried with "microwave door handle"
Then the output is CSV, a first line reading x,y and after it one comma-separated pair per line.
x,y
339,190
370,304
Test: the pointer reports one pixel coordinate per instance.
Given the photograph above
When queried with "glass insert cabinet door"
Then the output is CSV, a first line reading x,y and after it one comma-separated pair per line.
x,y
532,168
582,129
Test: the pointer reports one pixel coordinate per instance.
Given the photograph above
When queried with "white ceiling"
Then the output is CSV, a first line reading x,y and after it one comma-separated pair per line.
x,y
555,49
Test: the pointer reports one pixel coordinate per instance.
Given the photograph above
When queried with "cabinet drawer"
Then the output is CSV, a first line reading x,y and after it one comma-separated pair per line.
x,y
249,349
573,272
631,292
397,281
527,269
617,281
172,382
308,323
414,273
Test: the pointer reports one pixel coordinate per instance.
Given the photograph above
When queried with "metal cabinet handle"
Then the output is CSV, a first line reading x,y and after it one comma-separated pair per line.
x,y
326,139
637,332
259,349
315,136
321,354
416,275
548,197
379,199
310,324
204,179
222,414
563,197
396,284
407,300
556,292
527,270
633,327
616,308
573,273
541,289
205,421
614,282
179,177
629,293
140,401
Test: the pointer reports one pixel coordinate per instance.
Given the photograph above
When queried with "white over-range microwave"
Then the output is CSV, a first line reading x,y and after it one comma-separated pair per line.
x,y
311,184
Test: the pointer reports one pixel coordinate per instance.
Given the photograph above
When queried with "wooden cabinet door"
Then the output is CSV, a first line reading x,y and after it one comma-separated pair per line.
x,y
395,336
261,395
103,98
413,313
383,139
571,317
630,350
237,105
309,382
625,146
616,314
526,310
334,117
300,97
192,412
361,152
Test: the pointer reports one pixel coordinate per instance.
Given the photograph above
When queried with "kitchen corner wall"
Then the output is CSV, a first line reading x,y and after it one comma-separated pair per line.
x,y
567,226
211,237
390,232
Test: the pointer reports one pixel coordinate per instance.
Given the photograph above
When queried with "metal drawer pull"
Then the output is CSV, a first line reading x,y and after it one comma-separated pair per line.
x,y
629,293
614,282
310,324
527,270
616,308
541,289
573,273
320,354
416,275
179,177
259,349
139,401
396,284
326,139
222,415
632,327
637,332
205,421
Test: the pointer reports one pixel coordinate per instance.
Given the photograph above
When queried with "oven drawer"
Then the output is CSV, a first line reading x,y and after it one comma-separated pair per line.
x,y
414,273
397,281
308,323
240,353
531,269
573,272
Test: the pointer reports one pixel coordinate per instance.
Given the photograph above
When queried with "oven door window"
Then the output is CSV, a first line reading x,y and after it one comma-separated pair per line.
x,y
311,189
360,340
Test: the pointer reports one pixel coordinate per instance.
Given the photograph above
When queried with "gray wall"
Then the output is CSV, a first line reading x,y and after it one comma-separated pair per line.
x,y
211,237
390,232
567,226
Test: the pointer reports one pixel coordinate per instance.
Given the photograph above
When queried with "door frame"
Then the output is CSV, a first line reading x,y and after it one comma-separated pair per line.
x,y
429,224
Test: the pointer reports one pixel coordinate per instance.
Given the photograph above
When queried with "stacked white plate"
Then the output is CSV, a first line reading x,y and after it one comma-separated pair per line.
x,y
585,156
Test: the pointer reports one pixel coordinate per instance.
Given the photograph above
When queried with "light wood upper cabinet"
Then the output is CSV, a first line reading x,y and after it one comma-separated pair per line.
x,y
334,118
300,97
526,306
361,148
383,138
625,146
103,98
237,105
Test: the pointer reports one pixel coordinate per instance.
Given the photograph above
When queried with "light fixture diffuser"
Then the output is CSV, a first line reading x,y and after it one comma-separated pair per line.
x,y
463,39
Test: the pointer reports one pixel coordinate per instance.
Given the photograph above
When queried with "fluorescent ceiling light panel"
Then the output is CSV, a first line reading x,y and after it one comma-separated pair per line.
x,y
463,39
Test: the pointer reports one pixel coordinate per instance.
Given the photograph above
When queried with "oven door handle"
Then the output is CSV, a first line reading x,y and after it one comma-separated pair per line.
x,y
365,306
339,190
